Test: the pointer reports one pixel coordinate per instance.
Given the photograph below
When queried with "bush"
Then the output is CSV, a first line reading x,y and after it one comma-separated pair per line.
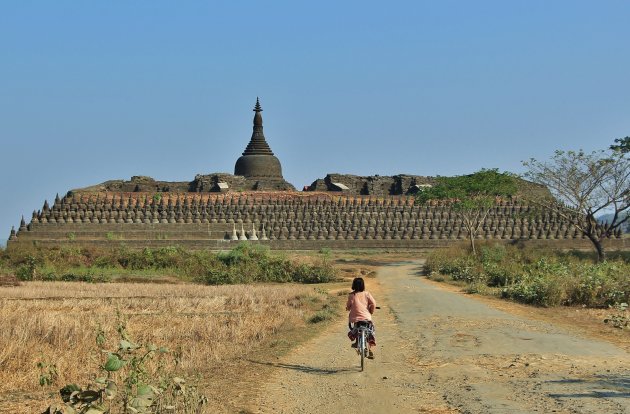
x,y
536,290
246,263
492,254
499,275
536,277
441,261
220,276
466,269
28,270
600,285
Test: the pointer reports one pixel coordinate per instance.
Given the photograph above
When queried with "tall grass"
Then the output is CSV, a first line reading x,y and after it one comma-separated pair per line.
x,y
535,276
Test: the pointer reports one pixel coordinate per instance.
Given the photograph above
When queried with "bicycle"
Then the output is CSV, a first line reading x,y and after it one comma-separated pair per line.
x,y
363,332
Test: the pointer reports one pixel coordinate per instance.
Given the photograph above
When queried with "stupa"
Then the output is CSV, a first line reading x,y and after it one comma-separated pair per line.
x,y
258,161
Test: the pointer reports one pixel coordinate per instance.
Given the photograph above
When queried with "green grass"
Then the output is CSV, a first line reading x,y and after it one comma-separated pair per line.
x,y
325,314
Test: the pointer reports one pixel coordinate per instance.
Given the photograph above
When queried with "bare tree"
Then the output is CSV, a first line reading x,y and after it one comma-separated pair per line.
x,y
473,211
585,186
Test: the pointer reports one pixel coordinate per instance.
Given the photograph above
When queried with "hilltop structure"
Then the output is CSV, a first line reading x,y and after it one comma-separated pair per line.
x,y
257,204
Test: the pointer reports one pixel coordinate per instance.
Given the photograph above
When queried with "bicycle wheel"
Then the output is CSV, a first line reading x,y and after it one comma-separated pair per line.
x,y
362,348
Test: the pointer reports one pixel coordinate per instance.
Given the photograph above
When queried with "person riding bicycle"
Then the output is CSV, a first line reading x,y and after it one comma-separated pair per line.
x,y
361,305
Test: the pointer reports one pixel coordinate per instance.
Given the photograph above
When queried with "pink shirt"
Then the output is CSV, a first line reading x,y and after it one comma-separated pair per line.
x,y
361,305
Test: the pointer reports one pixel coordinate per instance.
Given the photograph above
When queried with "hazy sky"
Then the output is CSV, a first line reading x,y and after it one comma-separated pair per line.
x,y
100,90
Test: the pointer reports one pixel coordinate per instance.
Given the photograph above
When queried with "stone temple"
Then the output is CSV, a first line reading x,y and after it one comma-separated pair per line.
x,y
258,162
257,204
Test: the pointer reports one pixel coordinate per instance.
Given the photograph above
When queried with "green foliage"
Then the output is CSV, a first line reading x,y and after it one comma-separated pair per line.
x,y
325,251
535,277
47,372
469,188
128,382
325,314
246,263
622,145
452,263
244,253
471,196
27,270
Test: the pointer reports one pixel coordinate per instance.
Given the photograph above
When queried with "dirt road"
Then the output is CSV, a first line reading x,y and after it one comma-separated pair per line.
x,y
443,352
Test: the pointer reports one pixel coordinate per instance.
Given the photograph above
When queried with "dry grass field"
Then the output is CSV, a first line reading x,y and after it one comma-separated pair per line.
x,y
206,327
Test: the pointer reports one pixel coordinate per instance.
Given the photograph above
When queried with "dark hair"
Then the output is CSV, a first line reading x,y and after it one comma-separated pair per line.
x,y
358,285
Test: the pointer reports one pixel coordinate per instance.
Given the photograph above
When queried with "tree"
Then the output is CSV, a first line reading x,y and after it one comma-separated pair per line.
x,y
622,145
585,186
471,196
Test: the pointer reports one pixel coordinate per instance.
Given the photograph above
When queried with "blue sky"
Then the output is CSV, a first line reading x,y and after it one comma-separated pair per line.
x,y
93,91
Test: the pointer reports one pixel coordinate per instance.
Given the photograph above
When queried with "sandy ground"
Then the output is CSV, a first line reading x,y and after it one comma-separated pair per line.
x,y
440,351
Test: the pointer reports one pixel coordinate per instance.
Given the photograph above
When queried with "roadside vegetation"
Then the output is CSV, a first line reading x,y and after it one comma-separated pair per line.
x,y
534,276
246,263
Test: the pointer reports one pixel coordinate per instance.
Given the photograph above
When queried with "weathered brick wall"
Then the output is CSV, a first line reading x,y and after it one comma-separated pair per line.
x,y
202,183
374,185
287,220
404,245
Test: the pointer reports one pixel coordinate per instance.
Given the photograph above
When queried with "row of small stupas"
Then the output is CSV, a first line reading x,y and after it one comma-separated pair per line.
x,y
256,203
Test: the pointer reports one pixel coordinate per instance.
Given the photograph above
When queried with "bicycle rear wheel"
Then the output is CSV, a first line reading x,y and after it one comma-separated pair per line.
x,y
362,346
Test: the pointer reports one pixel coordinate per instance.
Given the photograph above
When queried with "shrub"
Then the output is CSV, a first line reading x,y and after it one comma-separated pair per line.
x,y
127,382
600,285
245,263
321,272
243,253
441,261
492,254
536,290
466,269
537,277
28,270
498,275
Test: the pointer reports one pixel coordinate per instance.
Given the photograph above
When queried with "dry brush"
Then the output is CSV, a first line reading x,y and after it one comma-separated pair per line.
x,y
202,325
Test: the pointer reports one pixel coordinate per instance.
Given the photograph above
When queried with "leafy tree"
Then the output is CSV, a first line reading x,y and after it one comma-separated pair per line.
x,y
471,196
584,186
622,145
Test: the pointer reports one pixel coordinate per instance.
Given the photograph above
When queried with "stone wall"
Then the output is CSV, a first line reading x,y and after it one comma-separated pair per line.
x,y
202,183
307,220
209,183
374,185
401,184
418,246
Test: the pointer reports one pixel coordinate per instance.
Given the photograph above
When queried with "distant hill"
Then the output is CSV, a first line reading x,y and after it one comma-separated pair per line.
x,y
609,217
